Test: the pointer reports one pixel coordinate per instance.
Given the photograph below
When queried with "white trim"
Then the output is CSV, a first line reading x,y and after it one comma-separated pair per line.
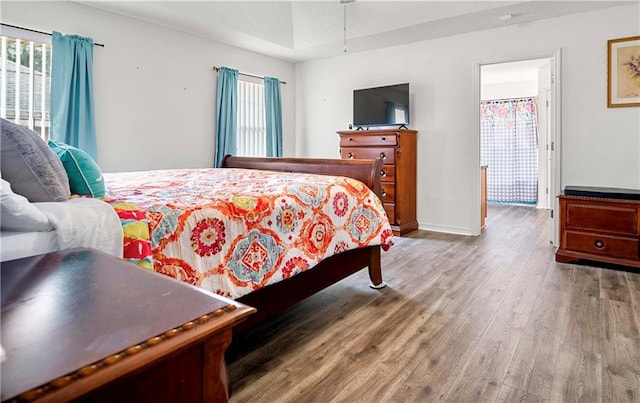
x,y
16,86
44,91
32,91
556,122
556,187
475,108
3,80
446,229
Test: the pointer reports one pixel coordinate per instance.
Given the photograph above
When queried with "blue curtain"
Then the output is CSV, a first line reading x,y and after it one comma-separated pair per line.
x,y
273,107
227,112
72,108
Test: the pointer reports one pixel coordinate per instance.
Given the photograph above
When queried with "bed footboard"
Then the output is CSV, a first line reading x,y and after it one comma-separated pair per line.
x,y
276,297
364,170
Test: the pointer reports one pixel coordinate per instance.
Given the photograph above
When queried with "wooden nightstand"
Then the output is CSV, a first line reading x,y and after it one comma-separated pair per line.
x,y
600,224
80,324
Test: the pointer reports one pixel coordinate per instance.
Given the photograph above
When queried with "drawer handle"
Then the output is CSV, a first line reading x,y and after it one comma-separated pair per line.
x,y
350,155
384,193
384,139
599,244
350,139
383,156
383,173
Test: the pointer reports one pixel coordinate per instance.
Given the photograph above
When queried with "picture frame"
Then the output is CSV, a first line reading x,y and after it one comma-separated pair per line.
x,y
623,72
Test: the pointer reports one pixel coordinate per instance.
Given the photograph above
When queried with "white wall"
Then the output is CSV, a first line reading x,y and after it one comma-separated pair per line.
x,y
154,87
520,89
601,146
155,98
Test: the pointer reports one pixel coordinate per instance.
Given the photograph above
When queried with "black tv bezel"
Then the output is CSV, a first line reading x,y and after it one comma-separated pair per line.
x,y
382,124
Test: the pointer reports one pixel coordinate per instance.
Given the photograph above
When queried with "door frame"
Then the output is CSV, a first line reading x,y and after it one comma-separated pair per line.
x,y
556,131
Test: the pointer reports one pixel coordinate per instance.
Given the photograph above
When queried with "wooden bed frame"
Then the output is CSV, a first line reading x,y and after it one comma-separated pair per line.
x,y
276,297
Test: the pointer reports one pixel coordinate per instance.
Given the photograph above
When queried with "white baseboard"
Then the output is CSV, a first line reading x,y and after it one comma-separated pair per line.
x,y
446,229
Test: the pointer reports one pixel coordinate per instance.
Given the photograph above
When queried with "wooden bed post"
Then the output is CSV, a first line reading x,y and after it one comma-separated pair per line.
x,y
375,269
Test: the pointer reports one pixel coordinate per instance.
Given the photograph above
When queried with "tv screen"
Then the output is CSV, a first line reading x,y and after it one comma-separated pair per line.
x,y
381,106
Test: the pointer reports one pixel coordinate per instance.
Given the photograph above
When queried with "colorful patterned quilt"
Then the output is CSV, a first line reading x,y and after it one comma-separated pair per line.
x,y
135,230
232,231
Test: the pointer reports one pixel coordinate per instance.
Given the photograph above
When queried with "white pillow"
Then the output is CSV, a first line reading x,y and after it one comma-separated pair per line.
x,y
18,214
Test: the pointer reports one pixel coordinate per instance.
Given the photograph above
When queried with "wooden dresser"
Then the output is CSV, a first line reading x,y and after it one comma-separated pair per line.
x,y
397,148
600,224
79,325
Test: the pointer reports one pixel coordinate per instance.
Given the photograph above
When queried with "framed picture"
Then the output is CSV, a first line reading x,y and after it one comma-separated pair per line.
x,y
623,79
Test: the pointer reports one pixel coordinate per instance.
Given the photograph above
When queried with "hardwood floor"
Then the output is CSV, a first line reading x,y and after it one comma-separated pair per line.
x,y
463,319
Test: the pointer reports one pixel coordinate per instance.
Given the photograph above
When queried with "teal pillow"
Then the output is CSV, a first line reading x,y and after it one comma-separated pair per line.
x,y
85,177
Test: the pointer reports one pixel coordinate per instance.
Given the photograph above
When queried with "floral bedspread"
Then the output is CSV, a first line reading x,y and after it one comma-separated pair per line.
x,y
232,231
135,229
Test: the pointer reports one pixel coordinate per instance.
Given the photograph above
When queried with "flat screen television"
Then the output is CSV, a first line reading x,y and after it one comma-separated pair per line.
x,y
381,106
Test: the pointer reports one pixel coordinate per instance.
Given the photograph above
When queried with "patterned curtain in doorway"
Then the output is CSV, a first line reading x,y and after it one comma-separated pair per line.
x,y
509,132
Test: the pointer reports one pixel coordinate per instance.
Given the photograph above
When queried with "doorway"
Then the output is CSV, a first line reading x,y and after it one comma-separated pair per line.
x,y
529,163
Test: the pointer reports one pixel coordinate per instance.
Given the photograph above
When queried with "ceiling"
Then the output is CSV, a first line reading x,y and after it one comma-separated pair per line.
x,y
306,30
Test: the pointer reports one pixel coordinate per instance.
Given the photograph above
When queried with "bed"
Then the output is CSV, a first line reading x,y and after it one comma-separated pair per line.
x,y
321,221
248,232
58,225
131,224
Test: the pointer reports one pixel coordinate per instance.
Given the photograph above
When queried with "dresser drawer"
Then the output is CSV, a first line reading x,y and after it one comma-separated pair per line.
x,y
388,173
388,192
387,154
388,144
390,209
364,140
609,218
605,245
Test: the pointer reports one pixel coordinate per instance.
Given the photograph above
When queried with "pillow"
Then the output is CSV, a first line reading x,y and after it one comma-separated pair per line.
x,y
29,165
17,214
85,177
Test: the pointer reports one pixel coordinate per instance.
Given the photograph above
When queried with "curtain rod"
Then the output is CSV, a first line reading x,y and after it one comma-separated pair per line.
x,y
39,32
509,99
216,68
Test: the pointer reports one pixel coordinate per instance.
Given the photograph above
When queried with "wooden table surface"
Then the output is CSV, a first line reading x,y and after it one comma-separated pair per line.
x,y
80,309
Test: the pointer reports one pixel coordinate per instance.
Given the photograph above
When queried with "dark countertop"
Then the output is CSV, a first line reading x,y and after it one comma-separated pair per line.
x,y
603,192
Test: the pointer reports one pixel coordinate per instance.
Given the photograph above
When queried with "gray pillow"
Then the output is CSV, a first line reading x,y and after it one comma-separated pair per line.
x,y
30,166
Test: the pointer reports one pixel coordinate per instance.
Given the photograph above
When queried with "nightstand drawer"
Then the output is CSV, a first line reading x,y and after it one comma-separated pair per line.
x,y
388,192
602,217
359,141
387,154
388,173
605,245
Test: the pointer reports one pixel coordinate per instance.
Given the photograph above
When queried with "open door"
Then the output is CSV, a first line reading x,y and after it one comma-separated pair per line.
x,y
549,184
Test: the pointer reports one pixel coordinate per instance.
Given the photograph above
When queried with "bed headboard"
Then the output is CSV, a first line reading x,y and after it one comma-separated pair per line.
x,y
364,170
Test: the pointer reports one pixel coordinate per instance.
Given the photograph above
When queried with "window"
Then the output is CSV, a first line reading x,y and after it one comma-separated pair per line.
x,y
25,75
401,113
251,124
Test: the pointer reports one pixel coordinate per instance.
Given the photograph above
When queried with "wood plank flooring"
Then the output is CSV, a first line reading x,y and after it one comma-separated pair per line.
x,y
463,319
